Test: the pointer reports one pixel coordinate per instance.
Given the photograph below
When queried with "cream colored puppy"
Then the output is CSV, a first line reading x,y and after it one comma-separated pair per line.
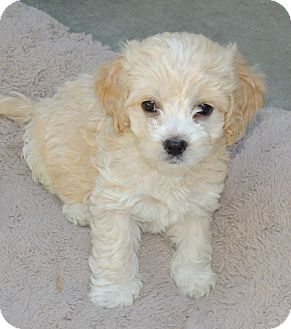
x,y
141,145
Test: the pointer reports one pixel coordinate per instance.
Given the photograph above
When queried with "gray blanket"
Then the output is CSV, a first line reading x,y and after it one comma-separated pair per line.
x,y
44,273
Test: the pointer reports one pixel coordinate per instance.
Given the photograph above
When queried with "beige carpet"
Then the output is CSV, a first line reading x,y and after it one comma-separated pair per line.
x,y
43,284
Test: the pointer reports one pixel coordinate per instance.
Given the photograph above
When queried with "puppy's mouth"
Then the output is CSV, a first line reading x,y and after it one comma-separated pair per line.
x,y
175,160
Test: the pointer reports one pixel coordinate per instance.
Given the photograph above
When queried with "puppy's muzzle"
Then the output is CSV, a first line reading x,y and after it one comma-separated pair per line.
x,y
175,146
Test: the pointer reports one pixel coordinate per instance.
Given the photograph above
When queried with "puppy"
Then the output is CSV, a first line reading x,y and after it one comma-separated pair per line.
x,y
141,146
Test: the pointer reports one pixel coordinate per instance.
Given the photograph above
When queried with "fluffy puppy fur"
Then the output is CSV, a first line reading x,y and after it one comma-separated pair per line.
x,y
141,145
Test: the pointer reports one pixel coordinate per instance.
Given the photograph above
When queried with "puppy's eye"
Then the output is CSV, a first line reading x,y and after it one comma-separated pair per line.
x,y
149,106
204,110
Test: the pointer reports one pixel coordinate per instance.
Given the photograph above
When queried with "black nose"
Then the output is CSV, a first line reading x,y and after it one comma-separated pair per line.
x,y
175,146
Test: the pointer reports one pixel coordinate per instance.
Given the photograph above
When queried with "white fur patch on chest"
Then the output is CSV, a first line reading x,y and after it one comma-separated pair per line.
x,y
159,201
154,198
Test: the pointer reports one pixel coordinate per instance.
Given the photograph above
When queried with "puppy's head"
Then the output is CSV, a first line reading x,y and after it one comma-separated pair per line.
x,y
180,94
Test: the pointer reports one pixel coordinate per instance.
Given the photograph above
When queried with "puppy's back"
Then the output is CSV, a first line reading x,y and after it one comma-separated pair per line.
x,y
60,137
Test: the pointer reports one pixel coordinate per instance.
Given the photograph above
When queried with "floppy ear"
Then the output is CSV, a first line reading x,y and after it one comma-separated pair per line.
x,y
245,101
111,89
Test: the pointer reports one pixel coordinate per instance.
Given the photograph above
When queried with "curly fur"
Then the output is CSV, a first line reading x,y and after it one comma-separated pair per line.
x,y
94,146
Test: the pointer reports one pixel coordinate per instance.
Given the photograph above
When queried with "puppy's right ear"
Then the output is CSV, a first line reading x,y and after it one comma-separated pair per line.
x,y
111,88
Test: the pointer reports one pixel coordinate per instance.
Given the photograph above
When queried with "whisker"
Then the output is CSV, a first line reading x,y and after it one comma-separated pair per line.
x,y
153,121
161,113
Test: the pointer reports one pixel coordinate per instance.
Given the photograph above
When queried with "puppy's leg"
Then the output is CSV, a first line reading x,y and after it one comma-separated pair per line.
x,y
77,213
114,261
191,260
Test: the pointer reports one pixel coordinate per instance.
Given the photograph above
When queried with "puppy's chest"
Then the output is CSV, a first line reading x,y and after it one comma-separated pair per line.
x,y
160,199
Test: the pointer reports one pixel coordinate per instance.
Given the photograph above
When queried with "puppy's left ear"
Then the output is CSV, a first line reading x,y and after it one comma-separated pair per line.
x,y
245,101
110,86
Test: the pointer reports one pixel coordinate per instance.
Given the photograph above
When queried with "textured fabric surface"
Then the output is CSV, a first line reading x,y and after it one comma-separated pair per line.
x,y
44,272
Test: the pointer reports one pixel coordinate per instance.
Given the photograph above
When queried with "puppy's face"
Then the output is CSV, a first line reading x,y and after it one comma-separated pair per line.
x,y
175,117
181,95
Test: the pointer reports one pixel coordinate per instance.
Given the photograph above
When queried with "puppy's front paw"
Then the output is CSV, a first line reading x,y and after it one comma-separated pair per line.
x,y
194,281
114,295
